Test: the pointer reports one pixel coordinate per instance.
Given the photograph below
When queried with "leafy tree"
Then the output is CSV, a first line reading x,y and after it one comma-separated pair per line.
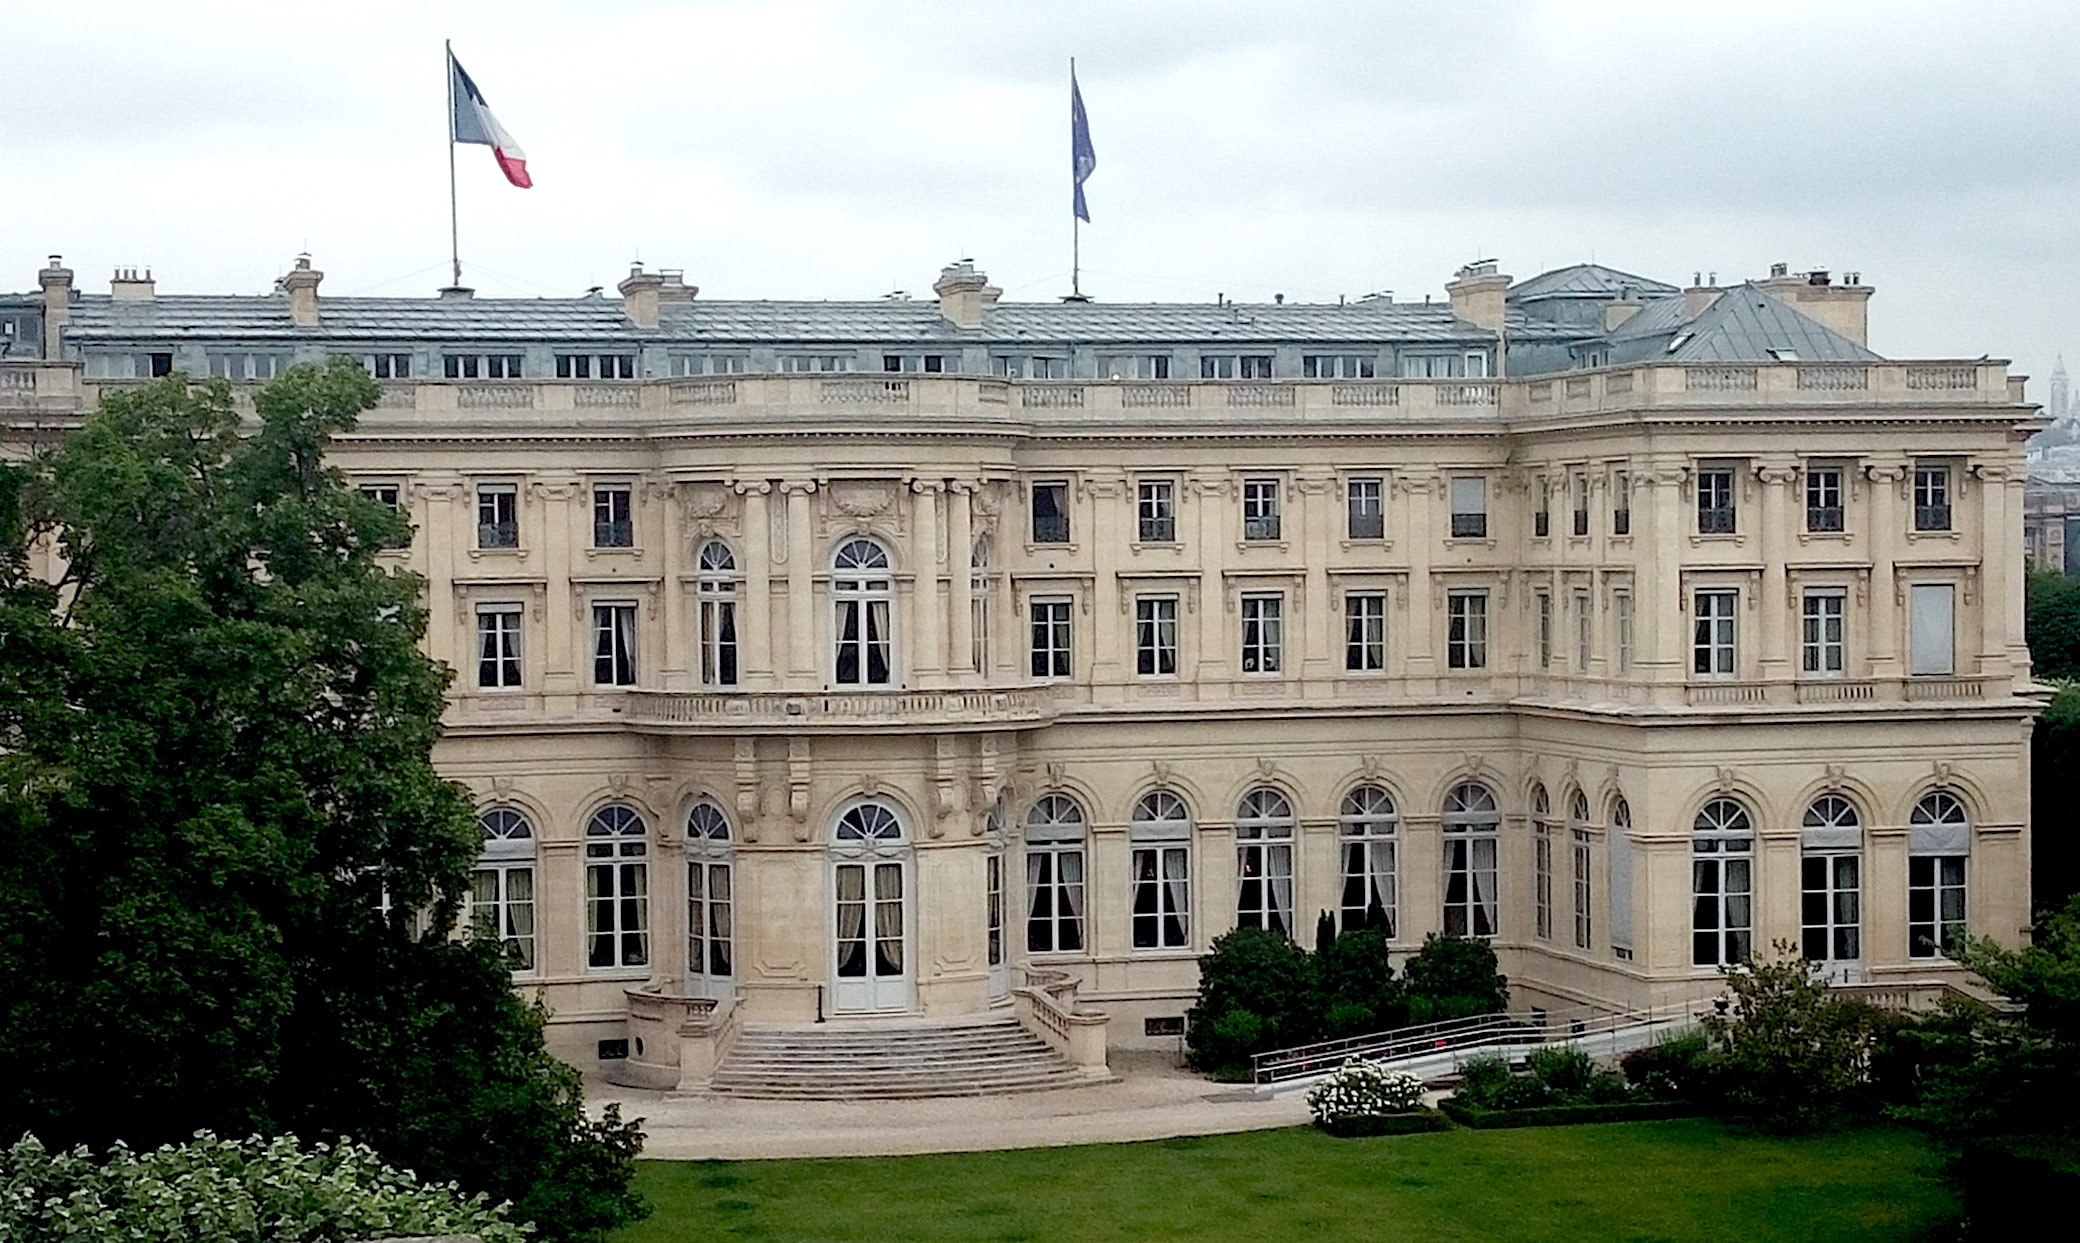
x,y
2052,623
1453,977
1356,983
1788,1053
1256,992
228,869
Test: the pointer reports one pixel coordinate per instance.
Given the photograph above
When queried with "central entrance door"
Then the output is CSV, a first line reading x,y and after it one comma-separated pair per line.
x,y
870,907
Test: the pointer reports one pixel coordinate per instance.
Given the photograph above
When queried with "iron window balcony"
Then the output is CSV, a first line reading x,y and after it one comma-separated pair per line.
x,y
1541,524
1715,521
1158,530
1368,526
1469,526
614,534
1931,517
498,535
1265,528
1621,522
1826,518
1050,528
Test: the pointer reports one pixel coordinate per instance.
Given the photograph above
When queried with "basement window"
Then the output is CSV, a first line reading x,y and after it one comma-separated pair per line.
x,y
1163,1025
613,1050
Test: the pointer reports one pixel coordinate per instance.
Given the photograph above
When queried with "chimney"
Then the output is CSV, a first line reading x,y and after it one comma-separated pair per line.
x,y
301,284
131,285
1844,307
1698,298
56,280
963,293
1479,294
1617,312
640,294
675,288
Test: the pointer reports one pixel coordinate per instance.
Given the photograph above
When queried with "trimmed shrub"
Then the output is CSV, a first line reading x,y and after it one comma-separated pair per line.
x,y
1672,1070
1789,1054
1466,1113
1256,992
1360,1088
211,1190
1355,980
1453,977
1413,1122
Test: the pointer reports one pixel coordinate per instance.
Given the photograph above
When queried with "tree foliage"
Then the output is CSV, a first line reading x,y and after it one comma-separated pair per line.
x,y
1786,1051
228,869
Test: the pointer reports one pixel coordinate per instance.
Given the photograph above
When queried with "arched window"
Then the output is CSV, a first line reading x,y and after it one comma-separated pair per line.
x,y
1470,825
1264,862
1054,876
1621,878
1161,835
1831,882
1722,884
1367,829
1542,863
717,615
617,888
869,823
1939,841
869,879
501,896
863,590
1578,855
978,605
710,898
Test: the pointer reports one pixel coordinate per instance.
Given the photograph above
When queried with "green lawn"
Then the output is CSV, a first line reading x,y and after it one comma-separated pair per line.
x,y
1687,1180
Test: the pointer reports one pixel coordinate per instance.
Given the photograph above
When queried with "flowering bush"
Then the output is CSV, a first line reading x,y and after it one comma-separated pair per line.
x,y
1362,1089
210,1190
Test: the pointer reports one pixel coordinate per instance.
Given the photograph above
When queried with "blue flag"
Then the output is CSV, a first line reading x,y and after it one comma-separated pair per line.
x,y
1082,159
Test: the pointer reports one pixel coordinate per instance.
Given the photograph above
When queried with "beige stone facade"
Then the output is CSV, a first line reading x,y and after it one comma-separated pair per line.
x,y
1324,616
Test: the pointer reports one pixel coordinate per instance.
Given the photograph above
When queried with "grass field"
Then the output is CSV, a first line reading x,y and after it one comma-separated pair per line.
x,y
1687,1180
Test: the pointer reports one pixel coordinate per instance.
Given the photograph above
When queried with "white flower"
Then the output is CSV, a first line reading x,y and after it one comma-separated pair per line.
x,y
1363,1089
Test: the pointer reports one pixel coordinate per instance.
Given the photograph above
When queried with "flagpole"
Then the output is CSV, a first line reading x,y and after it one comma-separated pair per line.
x,y
1075,221
454,228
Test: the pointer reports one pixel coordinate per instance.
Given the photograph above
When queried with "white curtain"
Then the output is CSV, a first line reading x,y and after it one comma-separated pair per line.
x,y
1069,865
877,641
1175,882
852,920
1621,887
625,635
1483,877
888,919
1278,868
1931,622
1379,861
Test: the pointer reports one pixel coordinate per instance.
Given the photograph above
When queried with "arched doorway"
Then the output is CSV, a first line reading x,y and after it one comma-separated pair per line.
x,y
870,906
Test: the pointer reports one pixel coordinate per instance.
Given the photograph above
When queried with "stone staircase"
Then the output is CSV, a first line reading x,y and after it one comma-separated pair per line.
x,y
892,1059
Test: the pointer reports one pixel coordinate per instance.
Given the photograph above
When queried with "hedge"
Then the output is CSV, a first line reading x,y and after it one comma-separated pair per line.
x,y
1565,1115
1364,1126
2011,1182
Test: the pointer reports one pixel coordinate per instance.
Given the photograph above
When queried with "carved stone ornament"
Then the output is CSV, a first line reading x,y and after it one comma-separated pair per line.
x,y
1723,780
1265,768
1370,766
619,782
1835,773
1941,770
861,498
870,785
502,785
1472,762
1056,770
705,500
1161,771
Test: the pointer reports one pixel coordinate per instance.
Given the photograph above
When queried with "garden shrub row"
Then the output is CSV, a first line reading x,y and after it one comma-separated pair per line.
x,y
1565,1115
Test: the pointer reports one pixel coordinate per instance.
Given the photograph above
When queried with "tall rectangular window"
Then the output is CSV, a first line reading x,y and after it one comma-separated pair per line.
x,y
1469,508
1260,509
1824,499
1823,641
1579,845
384,494
613,645
1365,508
498,521
501,909
1621,612
1051,638
613,516
1050,513
1931,621
1155,635
1578,490
1263,633
1542,508
1584,624
1621,502
1156,507
1162,896
1935,905
1054,897
1466,636
498,646
1931,498
1543,604
1542,879
1712,649
717,619
1365,631
1715,512
390,366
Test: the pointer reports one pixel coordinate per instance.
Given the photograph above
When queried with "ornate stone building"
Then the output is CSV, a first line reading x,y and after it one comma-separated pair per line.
x,y
832,659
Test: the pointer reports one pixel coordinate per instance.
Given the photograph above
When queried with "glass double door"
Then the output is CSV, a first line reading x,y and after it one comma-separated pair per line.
x,y
870,935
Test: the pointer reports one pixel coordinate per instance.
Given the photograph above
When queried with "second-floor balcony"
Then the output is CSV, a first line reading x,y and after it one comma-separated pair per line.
x,y
776,711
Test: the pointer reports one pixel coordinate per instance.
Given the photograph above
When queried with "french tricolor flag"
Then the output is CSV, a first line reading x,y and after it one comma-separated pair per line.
x,y
470,120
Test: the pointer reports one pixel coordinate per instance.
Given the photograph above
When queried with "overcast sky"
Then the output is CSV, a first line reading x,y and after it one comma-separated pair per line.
x,y
844,150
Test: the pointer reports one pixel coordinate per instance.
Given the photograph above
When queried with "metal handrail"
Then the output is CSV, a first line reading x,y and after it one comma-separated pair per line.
x,y
1509,1028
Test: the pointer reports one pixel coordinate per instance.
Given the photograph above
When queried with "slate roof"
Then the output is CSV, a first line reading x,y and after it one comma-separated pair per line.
x,y
99,319
1743,325
1587,280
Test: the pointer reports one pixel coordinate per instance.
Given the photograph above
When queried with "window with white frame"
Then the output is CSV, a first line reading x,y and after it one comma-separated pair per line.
x,y
1831,882
710,896
1476,364
1134,366
1466,637
617,888
815,362
1621,502
715,617
1931,625
1339,366
246,366
613,644
1030,366
1621,878
388,366
1160,834
1365,631
1722,886
498,515
1364,504
1715,507
1050,503
1264,862
501,895
862,593
1542,606
1469,508
1054,876
1584,631
1542,508
979,592
1939,842
1367,830
1712,645
498,646
595,366
1050,649
1426,366
1470,827
1578,493
1541,864
1824,510
613,516
482,366
1621,623
384,494
1579,855
1235,366
1931,498
707,364
1156,503
1823,635
1155,636
1263,633
1260,509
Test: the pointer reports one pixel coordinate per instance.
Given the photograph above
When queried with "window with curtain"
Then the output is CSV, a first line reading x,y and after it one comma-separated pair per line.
x,y
710,893
716,577
1939,840
1578,854
1541,862
1264,862
1161,837
1831,882
1621,878
1722,888
1470,826
614,644
617,888
863,590
1054,876
1366,830
501,900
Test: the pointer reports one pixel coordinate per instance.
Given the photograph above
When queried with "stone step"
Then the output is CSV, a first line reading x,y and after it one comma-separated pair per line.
x,y
907,1058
